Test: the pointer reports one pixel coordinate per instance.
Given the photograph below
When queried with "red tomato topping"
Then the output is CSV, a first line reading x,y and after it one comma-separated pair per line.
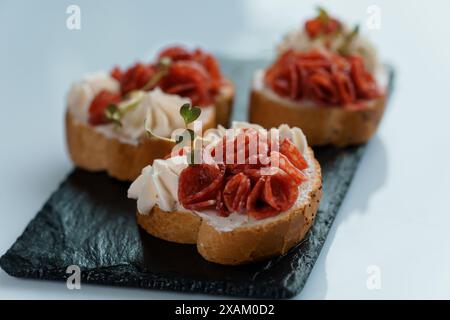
x,y
98,106
255,178
288,149
199,63
365,85
271,195
324,77
199,185
236,192
188,79
322,25
194,74
206,60
134,78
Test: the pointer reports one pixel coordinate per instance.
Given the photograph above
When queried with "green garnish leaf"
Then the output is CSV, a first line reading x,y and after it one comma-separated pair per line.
x,y
322,14
345,47
113,114
151,134
189,113
164,62
162,69
354,32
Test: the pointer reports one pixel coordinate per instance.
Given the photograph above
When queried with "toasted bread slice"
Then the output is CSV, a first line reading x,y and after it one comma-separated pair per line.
x,y
224,103
244,244
322,125
93,151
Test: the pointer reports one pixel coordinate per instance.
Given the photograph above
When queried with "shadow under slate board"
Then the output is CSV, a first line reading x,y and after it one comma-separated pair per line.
x,y
89,222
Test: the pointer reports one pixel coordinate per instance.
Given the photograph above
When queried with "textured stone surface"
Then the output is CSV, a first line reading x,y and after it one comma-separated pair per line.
x,y
89,222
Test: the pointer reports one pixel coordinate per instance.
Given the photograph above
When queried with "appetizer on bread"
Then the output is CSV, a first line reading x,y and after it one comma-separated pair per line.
x,y
326,80
106,112
254,194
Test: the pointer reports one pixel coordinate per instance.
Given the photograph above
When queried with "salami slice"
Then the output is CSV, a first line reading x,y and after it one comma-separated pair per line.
x,y
206,60
285,165
256,206
236,191
135,77
264,185
322,76
271,195
248,147
98,106
345,87
288,149
282,76
220,205
211,65
365,84
199,183
188,79
280,191
321,88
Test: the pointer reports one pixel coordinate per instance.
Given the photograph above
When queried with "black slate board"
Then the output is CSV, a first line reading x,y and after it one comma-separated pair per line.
x,y
90,223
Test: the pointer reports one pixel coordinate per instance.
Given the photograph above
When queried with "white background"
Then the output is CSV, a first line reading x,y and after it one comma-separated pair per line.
x,y
396,213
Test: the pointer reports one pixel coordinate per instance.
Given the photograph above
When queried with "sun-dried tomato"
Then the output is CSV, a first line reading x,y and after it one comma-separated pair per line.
x,y
321,76
99,104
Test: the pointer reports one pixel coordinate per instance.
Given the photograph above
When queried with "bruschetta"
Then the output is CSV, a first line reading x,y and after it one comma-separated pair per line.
x,y
253,196
327,80
106,112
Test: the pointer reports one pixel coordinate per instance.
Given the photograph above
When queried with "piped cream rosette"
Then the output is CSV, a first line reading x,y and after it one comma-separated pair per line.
x,y
158,109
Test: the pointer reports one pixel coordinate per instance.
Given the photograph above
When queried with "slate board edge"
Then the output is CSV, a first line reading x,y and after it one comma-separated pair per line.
x,y
141,280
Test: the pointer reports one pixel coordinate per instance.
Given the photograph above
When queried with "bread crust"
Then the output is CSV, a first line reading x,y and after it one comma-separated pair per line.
x,y
244,244
322,125
224,103
93,151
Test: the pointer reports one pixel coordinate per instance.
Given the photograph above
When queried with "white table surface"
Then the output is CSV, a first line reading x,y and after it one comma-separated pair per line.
x,y
395,215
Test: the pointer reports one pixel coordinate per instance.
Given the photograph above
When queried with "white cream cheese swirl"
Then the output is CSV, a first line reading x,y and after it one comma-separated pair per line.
x,y
299,40
158,183
159,110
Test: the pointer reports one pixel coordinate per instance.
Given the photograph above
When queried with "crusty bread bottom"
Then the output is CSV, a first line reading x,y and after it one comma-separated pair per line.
x,y
322,125
224,103
244,244
93,151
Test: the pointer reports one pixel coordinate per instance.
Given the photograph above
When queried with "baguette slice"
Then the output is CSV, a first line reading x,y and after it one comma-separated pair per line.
x,y
322,125
93,151
244,244
224,103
